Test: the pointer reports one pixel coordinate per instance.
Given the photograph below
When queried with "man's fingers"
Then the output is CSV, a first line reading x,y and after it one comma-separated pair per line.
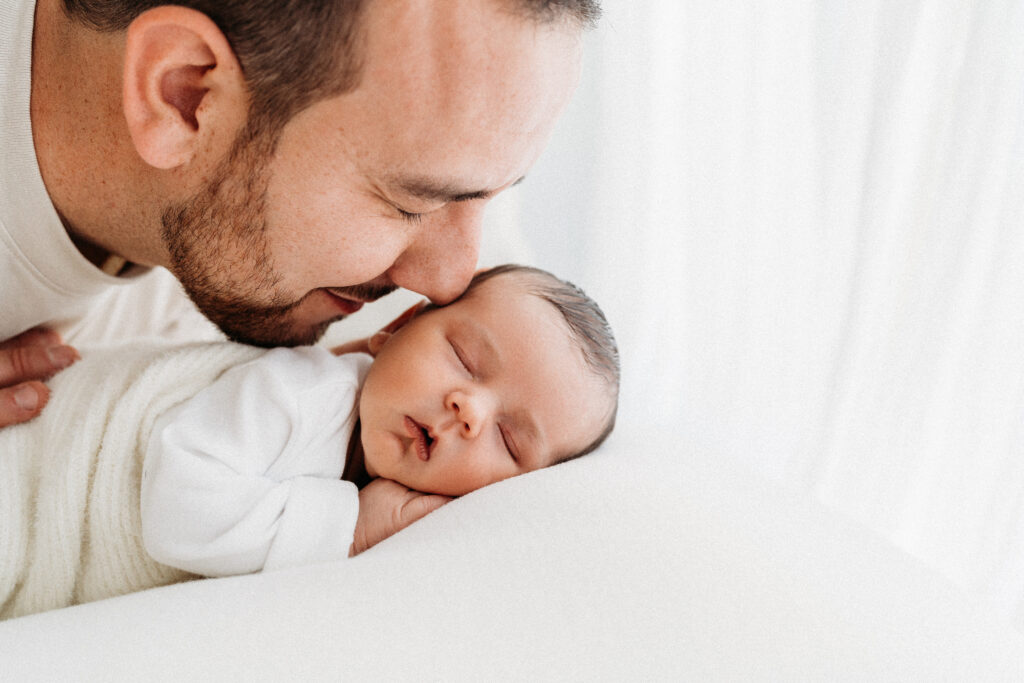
x,y
23,363
37,336
22,402
24,360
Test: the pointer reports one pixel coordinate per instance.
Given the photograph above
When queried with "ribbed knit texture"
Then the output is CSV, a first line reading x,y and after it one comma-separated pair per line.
x,y
70,529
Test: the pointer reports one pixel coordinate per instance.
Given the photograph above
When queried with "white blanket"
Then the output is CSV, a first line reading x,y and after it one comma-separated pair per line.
x,y
69,480
625,565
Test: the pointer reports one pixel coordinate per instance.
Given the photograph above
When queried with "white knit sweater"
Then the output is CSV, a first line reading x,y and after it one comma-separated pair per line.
x,y
69,511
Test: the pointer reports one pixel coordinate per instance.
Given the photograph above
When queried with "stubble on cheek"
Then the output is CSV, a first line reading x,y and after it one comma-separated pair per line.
x,y
217,241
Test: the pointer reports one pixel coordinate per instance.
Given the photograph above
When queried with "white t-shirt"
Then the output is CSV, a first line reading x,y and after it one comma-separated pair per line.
x,y
246,475
43,277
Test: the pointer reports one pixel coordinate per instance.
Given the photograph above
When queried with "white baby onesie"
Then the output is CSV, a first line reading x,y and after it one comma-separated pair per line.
x,y
246,475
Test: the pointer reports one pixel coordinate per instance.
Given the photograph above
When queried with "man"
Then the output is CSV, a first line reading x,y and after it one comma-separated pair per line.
x,y
286,164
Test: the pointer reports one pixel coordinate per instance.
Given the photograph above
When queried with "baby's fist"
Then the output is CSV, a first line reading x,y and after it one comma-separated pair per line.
x,y
386,507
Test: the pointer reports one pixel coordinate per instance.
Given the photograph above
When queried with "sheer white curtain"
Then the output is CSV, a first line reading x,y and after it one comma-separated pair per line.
x,y
805,221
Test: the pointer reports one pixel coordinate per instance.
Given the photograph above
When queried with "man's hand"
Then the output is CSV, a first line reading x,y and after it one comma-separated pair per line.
x,y
386,507
24,361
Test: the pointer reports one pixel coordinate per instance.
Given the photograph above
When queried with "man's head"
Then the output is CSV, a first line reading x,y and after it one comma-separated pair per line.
x,y
519,373
366,138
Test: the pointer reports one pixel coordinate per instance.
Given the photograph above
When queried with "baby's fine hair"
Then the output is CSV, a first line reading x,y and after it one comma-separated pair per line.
x,y
587,324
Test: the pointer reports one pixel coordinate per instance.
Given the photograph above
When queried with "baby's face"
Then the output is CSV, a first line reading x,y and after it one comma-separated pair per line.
x,y
484,389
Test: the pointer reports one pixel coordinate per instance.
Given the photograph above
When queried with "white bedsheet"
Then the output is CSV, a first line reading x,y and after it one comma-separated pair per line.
x,y
621,566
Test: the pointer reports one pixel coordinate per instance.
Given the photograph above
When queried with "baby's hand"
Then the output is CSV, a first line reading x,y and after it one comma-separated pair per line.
x,y
386,507
371,345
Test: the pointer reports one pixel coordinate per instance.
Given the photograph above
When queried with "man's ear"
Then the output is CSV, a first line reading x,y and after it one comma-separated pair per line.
x,y
183,85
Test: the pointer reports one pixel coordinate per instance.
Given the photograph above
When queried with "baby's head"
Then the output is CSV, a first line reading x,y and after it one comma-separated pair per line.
x,y
519,373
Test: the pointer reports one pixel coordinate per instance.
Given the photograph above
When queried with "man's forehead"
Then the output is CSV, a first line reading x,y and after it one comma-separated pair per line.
x,y
407,37
473,58
455,99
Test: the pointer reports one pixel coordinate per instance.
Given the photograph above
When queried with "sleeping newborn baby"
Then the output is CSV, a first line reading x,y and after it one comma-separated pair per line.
x,y
153,465
260,469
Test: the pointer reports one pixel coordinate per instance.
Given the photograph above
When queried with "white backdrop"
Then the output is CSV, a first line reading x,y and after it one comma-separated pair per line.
x,y
804,220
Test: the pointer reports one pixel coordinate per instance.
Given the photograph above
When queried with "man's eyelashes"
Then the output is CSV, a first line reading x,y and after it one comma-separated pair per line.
x,y
409,216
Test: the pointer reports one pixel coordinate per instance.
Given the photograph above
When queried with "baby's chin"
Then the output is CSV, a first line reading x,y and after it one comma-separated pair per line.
x,y
430,489
444,488
376,468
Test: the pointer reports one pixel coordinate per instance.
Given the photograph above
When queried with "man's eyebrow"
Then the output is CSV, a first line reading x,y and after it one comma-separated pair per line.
x,y
433,190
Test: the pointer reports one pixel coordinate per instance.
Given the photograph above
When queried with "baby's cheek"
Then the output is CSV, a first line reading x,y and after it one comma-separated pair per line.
x,y
476,476
375,455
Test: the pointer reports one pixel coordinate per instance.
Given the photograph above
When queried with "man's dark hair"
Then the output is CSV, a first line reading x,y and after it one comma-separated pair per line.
x,y
587,325
294,53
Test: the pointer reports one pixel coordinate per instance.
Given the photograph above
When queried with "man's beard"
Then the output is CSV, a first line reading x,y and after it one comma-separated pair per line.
x,y
218,248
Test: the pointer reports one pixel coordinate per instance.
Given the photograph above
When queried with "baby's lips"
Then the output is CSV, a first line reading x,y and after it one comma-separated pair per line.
x,y
419,438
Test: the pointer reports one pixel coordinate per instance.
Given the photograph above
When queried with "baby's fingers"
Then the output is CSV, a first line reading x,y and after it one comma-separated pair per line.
x,y
407,315
420,506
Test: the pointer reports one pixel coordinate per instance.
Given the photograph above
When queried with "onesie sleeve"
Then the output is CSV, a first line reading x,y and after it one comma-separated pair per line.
x,y
245,476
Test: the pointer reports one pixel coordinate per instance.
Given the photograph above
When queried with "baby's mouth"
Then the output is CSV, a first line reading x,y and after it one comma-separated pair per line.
x,y
421,437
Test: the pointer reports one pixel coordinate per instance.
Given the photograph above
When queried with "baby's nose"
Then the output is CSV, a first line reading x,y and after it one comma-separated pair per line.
x,y
470,412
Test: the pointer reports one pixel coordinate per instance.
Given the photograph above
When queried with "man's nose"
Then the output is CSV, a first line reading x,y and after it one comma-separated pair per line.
x,y
442,259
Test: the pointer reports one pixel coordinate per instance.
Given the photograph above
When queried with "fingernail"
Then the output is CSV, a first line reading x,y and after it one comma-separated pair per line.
x,y
61,356
26,398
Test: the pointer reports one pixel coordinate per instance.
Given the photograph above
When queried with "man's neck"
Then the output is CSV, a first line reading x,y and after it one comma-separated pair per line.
x,y
107,197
